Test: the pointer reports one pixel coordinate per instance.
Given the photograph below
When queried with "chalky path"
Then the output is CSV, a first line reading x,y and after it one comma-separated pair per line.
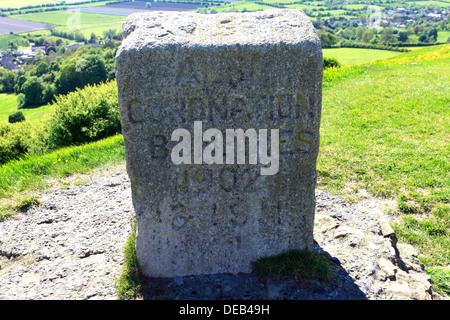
x,y
70,247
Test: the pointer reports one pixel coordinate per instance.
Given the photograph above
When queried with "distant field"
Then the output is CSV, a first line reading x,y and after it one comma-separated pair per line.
x,y
160,6
349,56
286,2
239,6
98,30
23,3
8,105
355,6
414,48
6,39
432,3
111,10
8,25
71,19
301,6
443,36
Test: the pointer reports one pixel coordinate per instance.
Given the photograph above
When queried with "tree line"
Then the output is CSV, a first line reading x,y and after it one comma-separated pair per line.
x,y
56,76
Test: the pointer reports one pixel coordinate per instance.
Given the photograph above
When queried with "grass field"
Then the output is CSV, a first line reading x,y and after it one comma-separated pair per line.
x,y
34,173
430,3
98,30
7,38
443,36
349,56
8,105
23,3
84,22
355,6
72,20
239,6
385,129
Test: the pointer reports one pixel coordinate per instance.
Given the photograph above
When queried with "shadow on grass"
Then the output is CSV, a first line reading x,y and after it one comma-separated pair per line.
x,y
337,286
31,107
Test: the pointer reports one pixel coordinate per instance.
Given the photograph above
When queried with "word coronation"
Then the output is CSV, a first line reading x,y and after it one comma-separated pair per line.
x,y
213,152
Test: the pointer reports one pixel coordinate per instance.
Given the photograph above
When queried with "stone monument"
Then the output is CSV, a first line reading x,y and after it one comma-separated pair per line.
x,y
220,116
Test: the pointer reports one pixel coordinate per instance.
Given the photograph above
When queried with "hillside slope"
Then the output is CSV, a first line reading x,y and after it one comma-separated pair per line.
x,y
385,133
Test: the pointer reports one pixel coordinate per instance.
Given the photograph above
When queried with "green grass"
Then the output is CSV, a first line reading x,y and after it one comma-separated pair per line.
x,y
440,278
18,41
88,23
23,3
443,36
349,56
8,105
430,3
239,6
64,18
279,1
91,4
385,129
36,172
302,6
296,265
28,202
98,30
129,283
355,6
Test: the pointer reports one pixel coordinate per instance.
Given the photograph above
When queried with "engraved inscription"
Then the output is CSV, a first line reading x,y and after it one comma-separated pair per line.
x,y
217,108
158,147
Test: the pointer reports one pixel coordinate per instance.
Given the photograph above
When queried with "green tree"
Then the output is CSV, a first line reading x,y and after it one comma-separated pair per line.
x,y
367,36
7,81
16,117
402,36
50,49
12,45
20,81
387,35
40,69
40,41
92,69
432,35
20,100
93,38
109,34
82,116
327,39
54,65
362,19
330,62
33,90
68,78
48,93
79,37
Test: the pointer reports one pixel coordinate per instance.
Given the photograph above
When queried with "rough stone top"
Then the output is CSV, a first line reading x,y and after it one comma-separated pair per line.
x,y
153,29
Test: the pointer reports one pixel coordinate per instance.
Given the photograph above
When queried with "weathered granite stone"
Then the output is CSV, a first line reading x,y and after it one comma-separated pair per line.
x,y
259,70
